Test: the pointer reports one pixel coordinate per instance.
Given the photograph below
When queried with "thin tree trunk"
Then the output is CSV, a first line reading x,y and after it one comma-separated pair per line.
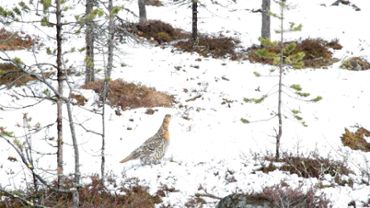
x,y
142,12
60,79
75,191
107,78
110,40
89,39
265,31
280,91
194,33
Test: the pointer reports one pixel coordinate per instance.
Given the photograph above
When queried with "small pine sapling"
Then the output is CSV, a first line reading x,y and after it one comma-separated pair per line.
x,y
285,57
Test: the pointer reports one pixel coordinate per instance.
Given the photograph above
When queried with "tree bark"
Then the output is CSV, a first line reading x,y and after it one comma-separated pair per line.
x,y
265,30
89,39
142,12
280,90
107,78
60,80
194,33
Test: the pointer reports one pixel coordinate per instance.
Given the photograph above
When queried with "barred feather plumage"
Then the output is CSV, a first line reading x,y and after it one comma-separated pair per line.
x,y
154,148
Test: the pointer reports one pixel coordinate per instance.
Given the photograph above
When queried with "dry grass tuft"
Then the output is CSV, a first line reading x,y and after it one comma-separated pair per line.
x,y
356,140
216,47
317,53
14,41
129,95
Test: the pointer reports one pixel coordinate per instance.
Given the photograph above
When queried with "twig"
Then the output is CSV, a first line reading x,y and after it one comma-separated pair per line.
x,y
193,98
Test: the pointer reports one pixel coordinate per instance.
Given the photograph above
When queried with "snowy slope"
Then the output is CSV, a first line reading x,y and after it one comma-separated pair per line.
x,y
214,141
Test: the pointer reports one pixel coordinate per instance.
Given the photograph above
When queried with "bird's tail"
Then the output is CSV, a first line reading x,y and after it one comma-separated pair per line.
x,y
130,157
134,155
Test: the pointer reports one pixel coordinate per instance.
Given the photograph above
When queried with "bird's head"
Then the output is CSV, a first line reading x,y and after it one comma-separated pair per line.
x,y
166,120
164,129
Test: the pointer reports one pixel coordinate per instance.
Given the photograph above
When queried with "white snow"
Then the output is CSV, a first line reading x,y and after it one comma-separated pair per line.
x,y
214,142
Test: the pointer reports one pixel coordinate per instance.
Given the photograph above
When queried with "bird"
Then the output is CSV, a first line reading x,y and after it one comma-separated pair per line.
x,y
154,148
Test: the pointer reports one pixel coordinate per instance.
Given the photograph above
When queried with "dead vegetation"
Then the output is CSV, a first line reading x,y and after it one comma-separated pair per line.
x,y
14,41
356,140
129,95
207,46
92,194
317,52
313,166
355,64
156,3
280,195
11,75
153,30
78,99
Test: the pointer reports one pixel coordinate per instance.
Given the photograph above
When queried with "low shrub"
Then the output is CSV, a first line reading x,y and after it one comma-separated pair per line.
x,y
283,196
278,196
92,194
308,167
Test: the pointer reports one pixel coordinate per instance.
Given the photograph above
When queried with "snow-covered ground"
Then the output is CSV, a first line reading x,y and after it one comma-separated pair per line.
x,y
213,143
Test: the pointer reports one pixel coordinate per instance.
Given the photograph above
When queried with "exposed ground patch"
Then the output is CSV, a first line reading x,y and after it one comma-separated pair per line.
x,y
129,95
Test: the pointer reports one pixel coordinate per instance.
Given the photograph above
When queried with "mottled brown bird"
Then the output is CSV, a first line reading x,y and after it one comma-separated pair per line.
x,y
154,148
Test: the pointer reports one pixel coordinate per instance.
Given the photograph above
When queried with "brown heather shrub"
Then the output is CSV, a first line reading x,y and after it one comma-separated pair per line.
x,y
129,95
11,76
277,196
159,31
93,194
282,196
308,167
216,47
356,140
317,53
78,99
13,41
